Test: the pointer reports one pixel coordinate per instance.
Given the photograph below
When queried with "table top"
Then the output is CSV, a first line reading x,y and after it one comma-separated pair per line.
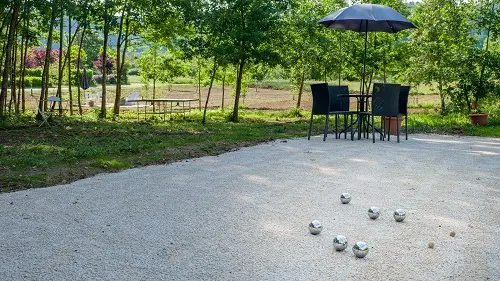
x,y
164,100
355,95
51,100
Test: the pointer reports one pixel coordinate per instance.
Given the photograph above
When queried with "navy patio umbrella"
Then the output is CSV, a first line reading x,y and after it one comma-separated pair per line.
x,y
367,18
84,83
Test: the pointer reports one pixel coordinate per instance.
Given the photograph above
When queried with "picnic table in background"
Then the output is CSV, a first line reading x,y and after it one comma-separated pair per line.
x,y
163,106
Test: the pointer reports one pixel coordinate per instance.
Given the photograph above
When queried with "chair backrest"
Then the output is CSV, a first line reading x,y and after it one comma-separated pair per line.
x,y
133,96
339,103
53,98
385,99
321,98
403,99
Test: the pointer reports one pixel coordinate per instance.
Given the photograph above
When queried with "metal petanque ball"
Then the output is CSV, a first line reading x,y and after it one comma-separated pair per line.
x,y
315,227
399,215
345,198
340,242
360,249
373,213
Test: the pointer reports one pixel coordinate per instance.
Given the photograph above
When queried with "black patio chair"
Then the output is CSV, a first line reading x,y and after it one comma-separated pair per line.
x,y
339,105
326,102
403,105
385,102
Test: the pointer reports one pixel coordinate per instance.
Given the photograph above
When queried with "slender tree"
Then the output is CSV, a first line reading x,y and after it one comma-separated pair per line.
x,y
8,55
45,74
129,24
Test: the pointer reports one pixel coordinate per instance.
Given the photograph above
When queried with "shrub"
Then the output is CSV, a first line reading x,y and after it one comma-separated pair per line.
x,y
35,82
111,79
133,71
36,57
34,72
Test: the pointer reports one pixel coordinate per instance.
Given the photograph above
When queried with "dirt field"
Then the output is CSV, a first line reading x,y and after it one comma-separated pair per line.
x,y
261,99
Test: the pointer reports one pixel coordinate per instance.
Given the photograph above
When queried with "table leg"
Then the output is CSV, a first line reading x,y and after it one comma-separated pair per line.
x,y
163,104
137,102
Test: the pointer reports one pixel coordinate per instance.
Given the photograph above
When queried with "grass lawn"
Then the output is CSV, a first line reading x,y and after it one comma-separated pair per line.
x,y
32,156
71,149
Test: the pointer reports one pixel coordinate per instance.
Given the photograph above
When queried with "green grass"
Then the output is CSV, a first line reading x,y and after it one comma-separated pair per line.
x,y
74,148
134,79
454,124
71,149
427,105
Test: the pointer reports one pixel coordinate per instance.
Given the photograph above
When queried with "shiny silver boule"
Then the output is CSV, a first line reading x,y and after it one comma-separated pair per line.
x,y
315,227
399,215
373,213
340,242
345,198
360,249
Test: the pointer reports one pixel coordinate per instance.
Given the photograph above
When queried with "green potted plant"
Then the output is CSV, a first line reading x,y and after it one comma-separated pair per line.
x,y
477,115
478,79
483,63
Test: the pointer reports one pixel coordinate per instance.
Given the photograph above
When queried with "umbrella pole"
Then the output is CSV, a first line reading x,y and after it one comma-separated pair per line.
x,y
364,61
362,105
340,54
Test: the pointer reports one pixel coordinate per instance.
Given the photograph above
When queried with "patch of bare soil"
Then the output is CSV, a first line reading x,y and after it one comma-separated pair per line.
x,y
255,98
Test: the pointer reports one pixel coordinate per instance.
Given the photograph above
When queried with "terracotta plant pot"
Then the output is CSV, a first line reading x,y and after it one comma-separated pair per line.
x,y
394,129
91,103
480,119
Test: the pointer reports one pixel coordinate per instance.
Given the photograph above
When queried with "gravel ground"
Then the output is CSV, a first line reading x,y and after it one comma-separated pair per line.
x,y
243,215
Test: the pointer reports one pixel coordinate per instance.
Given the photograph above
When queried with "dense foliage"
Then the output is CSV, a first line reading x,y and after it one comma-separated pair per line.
x,y
455,47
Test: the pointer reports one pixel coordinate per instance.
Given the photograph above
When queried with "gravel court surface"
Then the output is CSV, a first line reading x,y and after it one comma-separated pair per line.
x,y
243,215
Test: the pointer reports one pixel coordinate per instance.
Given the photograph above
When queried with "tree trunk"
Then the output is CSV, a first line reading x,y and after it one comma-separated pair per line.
x,y
45,74
60,63
441,94
214,70
118,87
78,61
8,59
102,114
23,74
154,88
301,88
223,88
239,77
68,58
199,84
5,23
13,100
20,80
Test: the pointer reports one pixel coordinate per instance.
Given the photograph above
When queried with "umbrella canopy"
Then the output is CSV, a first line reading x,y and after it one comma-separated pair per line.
x,y
367,18
84,83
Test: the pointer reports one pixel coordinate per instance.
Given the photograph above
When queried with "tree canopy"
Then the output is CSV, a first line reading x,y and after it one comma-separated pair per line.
x,y
455,46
